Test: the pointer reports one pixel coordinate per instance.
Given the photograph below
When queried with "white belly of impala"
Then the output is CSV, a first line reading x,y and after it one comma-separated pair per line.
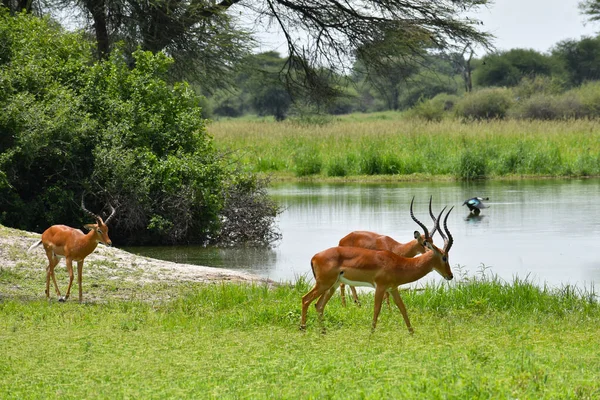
x,y
355,283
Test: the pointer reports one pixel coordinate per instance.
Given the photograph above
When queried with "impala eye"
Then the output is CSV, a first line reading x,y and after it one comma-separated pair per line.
x,y
100,231
444,258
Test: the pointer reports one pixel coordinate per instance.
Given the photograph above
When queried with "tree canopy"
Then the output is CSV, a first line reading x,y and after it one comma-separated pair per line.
x,y
206,38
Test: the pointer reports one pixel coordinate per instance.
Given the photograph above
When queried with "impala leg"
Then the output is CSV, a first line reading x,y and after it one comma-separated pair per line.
x,y
324,299
379,292
355,295
80,279
343,293
308,298
387,299
53,261
400,304
49,271
322,302
70,271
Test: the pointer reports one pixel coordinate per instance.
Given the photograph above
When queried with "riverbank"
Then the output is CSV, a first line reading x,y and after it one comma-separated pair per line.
x,y
108,273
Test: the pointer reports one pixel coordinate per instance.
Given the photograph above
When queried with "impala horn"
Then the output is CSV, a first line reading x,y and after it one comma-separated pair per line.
x,y
417,221
450,241
91,214
435,224
97,217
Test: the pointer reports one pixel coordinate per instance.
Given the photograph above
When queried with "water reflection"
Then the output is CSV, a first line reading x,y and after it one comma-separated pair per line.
x,y
258,260
474,219
546,230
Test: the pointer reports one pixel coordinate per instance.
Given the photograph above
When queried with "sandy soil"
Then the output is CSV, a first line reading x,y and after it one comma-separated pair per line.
x,y
15,243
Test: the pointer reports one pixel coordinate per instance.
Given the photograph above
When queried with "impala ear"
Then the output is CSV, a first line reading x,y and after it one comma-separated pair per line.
x,y
89,227
417,235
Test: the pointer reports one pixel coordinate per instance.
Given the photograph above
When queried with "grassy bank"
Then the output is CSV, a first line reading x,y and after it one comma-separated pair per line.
x,y
476,339
385,145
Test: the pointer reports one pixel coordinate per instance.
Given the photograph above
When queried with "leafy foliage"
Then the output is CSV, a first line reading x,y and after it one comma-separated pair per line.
x,y
485,104
580,59
508,68
118,131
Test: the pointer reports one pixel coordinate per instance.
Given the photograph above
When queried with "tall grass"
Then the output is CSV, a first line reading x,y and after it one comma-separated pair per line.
x,y
480,338
350,146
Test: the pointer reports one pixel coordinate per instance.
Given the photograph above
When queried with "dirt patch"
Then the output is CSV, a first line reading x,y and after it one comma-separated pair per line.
x,y
14,244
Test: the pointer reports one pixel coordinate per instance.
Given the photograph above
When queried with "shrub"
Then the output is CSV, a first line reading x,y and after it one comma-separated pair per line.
x,y
539,84
118,131
588,96
539,106
492,103
434,109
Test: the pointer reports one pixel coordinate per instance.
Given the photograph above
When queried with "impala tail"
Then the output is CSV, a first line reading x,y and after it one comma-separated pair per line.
x,y
33,246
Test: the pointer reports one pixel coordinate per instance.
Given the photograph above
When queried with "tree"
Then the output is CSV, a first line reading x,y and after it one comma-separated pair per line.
x,y
389,60
319,33
462,65
591,8
268,94
509,67
580,59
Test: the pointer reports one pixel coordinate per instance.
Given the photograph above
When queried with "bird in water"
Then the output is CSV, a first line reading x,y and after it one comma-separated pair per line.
x,y
475,204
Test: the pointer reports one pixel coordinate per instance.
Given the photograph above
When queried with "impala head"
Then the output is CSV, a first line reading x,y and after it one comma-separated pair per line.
x,y
100,227
443,266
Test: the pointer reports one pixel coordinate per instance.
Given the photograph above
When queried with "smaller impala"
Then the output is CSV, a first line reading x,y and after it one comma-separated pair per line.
x,y
379,269
61,241
375,241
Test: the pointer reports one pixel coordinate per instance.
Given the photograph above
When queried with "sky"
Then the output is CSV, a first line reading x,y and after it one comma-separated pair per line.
x,y
535,24
528,24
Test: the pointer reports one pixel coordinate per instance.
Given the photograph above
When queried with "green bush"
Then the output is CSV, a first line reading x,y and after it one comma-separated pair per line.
x,y
492,103
539,106
119,132
539,84
588,96
434,109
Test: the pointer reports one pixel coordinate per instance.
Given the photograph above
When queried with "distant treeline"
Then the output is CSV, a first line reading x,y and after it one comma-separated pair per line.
x,y
521,83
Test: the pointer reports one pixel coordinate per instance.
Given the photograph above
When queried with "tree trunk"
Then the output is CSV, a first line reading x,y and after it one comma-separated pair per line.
x,y
98,12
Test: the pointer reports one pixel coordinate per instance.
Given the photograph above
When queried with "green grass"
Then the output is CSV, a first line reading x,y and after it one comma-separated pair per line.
x,y
477,338
388,145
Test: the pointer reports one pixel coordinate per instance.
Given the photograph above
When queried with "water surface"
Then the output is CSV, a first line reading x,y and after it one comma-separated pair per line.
x,y
547,231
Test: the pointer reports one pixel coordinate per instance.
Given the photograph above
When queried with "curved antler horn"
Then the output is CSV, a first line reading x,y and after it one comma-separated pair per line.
x,y
417,221
112,213
435,224
450,241
91,214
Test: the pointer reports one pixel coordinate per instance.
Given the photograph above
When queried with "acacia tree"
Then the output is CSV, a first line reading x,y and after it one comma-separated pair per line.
x,y
591,8
320,34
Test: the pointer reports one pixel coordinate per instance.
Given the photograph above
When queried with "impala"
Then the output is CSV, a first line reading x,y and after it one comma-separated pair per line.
x,y
72,244
375,241
379,269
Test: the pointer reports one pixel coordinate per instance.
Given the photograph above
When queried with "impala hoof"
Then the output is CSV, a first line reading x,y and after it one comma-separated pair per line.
x,y
61,299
